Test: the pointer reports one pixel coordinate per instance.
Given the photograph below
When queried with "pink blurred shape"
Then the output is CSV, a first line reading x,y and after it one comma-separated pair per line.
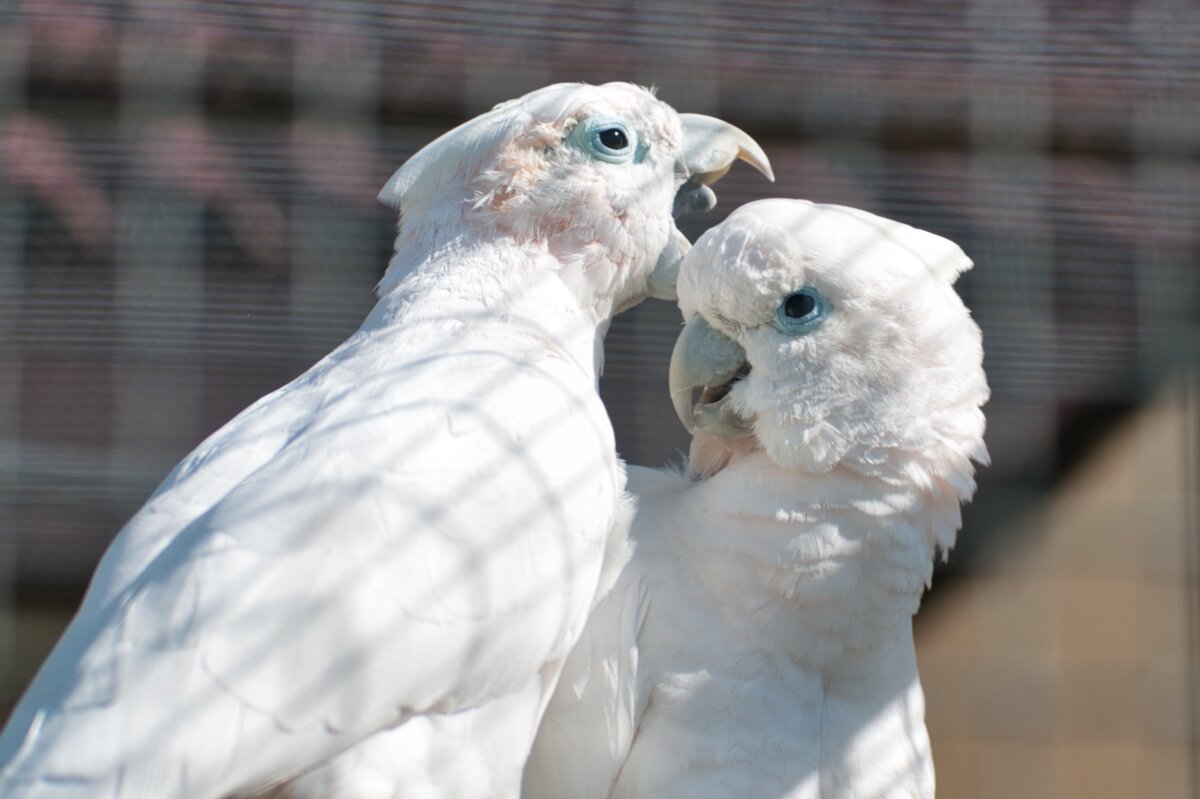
x,y
38,157
183,152
339,161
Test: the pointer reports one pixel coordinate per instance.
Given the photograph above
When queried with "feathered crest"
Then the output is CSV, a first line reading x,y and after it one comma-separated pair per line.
x,y
447,161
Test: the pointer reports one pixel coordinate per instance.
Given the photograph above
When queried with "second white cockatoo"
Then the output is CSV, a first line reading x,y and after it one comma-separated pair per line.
x,y
409,535
759,642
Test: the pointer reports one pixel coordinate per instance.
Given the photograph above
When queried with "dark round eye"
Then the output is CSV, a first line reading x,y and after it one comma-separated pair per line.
x,y
801,312
606,139
614,138
799,305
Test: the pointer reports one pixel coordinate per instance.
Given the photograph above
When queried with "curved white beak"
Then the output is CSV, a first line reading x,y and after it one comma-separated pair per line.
x,y
706,359
711,145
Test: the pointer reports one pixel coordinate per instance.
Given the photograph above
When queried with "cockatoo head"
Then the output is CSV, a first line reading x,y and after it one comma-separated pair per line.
x,y
593,173
829,337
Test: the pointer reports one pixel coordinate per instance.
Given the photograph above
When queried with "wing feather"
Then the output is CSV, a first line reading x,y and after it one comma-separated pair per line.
x,y
363,561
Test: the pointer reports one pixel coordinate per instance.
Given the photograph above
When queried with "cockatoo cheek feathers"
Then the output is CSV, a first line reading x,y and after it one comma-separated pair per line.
x,y
541,185
517,169
537,179
896,367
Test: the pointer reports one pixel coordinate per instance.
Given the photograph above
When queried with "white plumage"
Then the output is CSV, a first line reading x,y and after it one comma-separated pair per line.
x,y
409,535
759,642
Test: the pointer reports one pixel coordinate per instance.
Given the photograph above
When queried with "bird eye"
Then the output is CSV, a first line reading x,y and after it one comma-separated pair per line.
x,y
800,312
606,140
613,139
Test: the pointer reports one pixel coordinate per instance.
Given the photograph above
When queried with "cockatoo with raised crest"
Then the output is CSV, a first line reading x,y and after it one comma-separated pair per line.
x,y
759,642
409,535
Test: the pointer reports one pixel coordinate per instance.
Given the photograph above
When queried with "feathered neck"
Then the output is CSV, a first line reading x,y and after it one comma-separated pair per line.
x,y
488,289
602,272
926,446
840,559
818,576
939,478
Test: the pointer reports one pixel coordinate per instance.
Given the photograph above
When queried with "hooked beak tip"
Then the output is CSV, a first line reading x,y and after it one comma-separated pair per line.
x,y
711,146
682,401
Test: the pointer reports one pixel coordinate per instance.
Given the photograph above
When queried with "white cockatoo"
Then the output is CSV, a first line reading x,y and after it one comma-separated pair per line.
x,y
759,642
410,534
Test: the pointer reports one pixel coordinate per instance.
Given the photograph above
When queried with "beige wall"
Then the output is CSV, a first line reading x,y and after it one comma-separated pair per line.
x,y
1067,666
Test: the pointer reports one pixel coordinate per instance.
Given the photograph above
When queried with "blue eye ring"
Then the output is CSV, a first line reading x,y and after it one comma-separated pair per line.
x,y
801,312
607,140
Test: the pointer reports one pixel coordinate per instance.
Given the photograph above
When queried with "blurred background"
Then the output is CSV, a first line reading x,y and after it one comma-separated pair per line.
x,y
187,221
